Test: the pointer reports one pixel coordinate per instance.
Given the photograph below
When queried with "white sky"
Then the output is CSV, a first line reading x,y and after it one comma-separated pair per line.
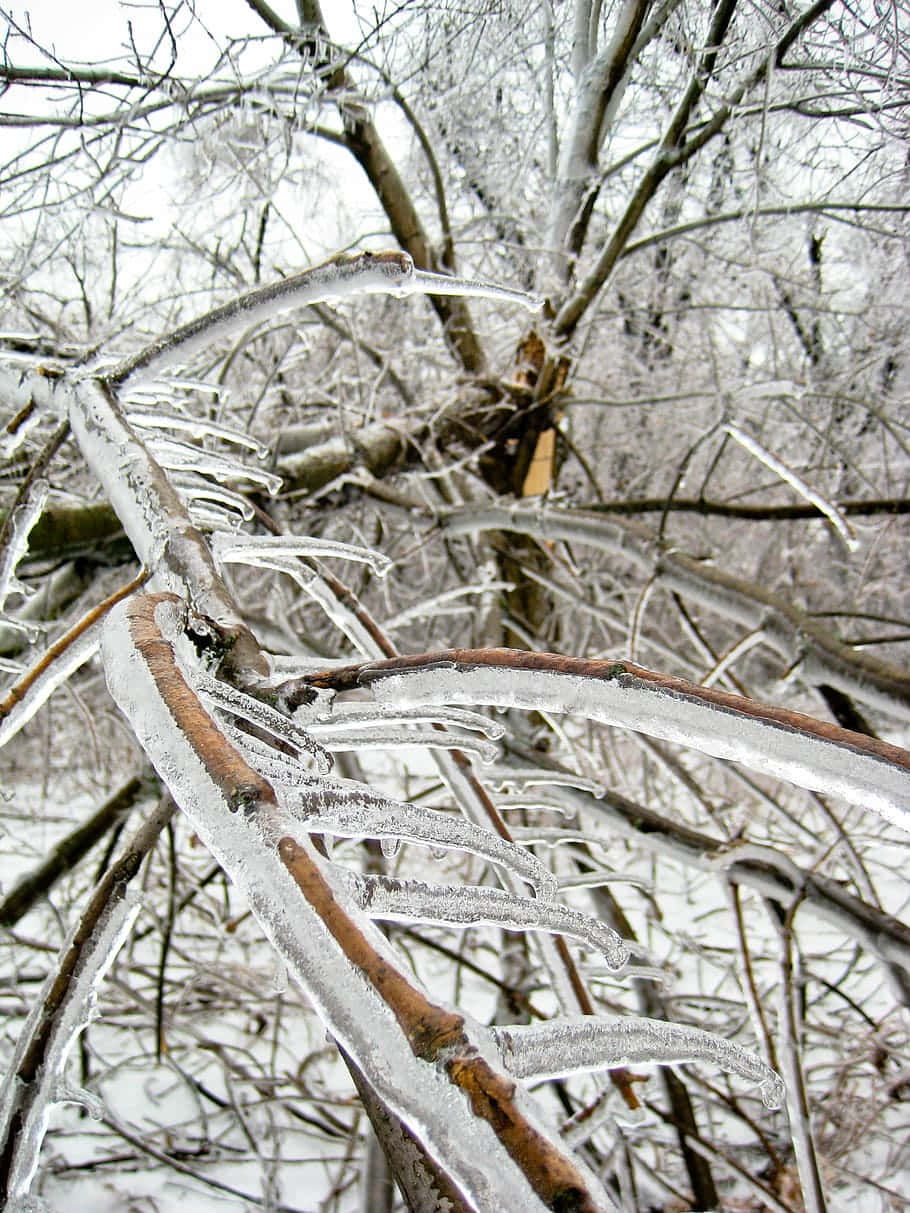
x,y
92,30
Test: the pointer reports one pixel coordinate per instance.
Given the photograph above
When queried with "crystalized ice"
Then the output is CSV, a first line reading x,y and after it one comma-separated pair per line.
x,y
467,905
580,1044
350,810
179,456
408,738
249,549
197,427
195,488
227,698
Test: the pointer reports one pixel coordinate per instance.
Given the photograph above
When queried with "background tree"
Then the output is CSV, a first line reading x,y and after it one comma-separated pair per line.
x,y
695,457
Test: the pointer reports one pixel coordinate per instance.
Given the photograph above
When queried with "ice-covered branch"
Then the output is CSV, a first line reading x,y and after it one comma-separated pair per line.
x,y
430,1067
575,1045
23,518
66,655
251,549
763,455
775,741
388,272
786,629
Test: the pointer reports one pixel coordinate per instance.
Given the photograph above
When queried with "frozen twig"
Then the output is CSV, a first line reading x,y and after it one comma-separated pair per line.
x,y
763,455
789,745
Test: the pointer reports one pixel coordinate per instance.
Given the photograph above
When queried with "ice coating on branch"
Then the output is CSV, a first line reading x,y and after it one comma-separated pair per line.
x,y
389,272
51,671
25,515
349,810
685,718
197,427
580,1044
228,699
248,549
831,512
340,991
180,456
471,905
441,284
31,1102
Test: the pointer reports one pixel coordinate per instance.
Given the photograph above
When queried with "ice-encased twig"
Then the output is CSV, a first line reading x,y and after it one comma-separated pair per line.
x,y
193,488
410,738
472,905
426,283
250,549
25,515
389,272
583,1044
774,741
226,698
771,461
30,1103
535,776
348,810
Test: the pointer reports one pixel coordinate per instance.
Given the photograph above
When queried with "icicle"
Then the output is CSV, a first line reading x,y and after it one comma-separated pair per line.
x,y
470,905
212,518
831,512
533,776
345,716
574,1045
179,456
594,880
245,549
193,489
528,802
197,427
348,809
405,739
24,518
279,769
31,1103
228,699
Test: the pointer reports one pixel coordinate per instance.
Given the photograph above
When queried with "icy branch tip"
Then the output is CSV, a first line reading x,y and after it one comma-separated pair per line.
x,y
427,283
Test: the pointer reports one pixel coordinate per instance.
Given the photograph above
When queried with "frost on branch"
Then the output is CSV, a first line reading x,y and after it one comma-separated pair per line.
x,y
576,1045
